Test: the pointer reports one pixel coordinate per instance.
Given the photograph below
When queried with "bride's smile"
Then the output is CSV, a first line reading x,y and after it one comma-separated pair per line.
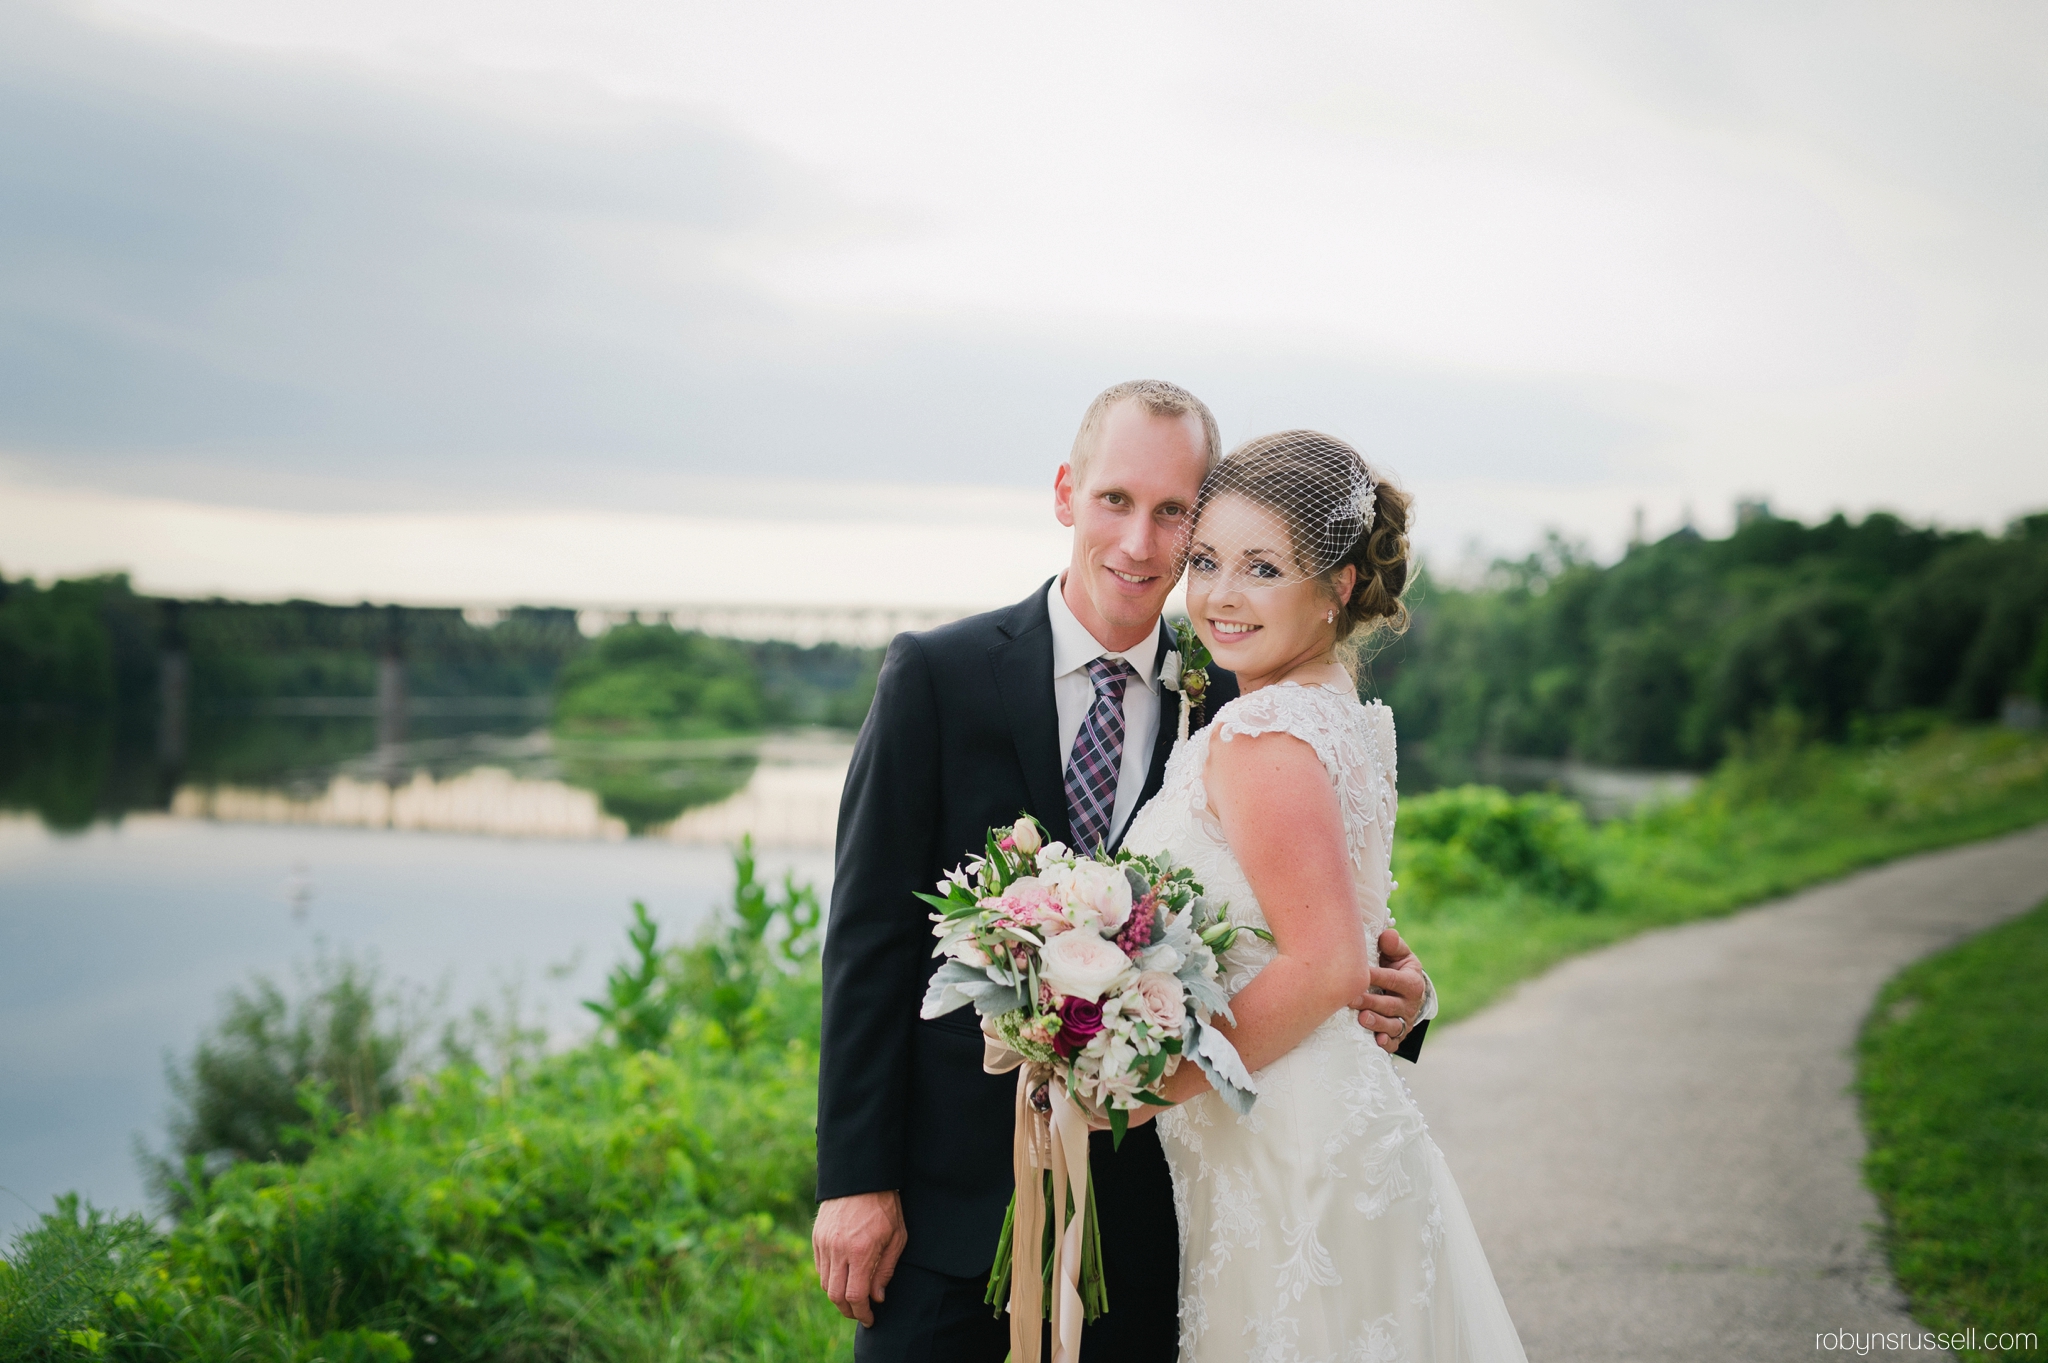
x,y
1260,614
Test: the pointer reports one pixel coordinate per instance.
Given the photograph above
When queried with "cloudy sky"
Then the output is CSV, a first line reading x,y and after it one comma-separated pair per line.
x,y
632,300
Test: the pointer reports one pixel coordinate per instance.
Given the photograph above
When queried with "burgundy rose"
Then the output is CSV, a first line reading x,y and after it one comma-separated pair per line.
x,y
1079,1020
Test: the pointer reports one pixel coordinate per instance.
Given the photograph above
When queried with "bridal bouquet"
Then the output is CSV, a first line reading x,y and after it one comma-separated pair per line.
x,y
1095,977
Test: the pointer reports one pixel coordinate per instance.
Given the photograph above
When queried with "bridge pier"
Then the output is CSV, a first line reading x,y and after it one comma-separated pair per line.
x,y
391,696
174,684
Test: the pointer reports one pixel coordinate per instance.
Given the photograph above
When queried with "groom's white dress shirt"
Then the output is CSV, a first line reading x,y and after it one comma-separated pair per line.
x,y
1073,648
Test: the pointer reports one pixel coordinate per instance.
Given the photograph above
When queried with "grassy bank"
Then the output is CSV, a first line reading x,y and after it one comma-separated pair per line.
x,y
645,1196
1953,1076
1776,817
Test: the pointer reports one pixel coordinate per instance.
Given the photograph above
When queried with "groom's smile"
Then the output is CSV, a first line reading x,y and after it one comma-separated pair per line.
x,y
1129,497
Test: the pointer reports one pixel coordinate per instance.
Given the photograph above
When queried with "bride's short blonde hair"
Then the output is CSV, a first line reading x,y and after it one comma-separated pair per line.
x,y
1160,398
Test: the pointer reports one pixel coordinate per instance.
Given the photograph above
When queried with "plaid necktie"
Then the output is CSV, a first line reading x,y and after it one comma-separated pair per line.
x,y
1097,757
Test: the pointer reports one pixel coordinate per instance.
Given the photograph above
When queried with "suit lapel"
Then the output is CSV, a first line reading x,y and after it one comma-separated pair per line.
x,y
1023,673
1169,726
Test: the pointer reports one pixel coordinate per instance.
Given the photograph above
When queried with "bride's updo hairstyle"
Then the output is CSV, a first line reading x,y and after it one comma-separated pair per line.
x,y
1336,511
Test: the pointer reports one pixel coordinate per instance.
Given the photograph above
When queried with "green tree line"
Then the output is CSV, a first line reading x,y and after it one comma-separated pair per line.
x,y
81,684
95,645
1669,656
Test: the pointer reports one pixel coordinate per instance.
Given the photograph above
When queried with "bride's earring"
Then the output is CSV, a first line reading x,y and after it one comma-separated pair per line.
x,y
1330,616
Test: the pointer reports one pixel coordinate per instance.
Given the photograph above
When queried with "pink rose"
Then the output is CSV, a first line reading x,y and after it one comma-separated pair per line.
x,y
1031,903
1156,998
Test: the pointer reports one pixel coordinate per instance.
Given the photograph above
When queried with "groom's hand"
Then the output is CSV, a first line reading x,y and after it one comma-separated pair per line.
x,y
1390,1015
856,1242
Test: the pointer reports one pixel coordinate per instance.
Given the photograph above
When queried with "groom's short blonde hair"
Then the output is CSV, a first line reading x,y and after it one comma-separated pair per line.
x,y
1160,398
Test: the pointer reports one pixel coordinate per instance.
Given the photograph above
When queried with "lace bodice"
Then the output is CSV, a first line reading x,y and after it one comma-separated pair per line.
x,y
1356,744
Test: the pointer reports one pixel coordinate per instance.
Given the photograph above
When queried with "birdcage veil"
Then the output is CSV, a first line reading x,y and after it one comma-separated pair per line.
x,y
1280,508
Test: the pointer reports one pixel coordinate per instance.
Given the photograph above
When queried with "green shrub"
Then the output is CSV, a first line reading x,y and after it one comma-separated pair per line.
x,y
271,1067
63,1278
750,975
651,680
1479,840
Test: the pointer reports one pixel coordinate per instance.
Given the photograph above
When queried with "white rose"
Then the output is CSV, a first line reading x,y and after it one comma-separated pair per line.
x,y
1082,965
1095,890
1157,999
1084,919
1169,670
1024,836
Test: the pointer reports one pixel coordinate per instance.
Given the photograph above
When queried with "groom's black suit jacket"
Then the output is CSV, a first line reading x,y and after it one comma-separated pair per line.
x,y
963,735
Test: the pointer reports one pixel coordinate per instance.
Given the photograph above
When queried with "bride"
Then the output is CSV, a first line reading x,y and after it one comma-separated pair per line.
x,y
1324,1225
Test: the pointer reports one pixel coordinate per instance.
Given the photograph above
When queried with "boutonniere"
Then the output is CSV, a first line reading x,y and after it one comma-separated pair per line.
x,y
1185,669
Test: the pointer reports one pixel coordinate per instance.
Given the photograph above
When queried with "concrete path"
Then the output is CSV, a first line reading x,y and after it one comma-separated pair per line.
x,y
1658,1141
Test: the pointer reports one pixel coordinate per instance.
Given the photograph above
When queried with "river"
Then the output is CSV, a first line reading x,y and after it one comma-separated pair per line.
x,y
466,873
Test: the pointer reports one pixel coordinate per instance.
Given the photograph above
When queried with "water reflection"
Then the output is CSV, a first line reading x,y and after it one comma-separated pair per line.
x,y
782,790
484,767
648,784
461,773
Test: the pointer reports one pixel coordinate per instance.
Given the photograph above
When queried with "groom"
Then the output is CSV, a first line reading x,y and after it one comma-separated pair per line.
x,y
1051,706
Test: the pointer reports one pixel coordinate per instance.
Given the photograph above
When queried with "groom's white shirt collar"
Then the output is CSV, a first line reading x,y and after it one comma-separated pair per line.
x,y
1073,648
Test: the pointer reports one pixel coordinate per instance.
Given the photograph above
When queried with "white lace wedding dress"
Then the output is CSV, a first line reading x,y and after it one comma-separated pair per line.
x,y
1323,1227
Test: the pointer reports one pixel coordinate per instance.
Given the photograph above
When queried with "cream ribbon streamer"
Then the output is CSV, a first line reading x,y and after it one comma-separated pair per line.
x,y
1055,1141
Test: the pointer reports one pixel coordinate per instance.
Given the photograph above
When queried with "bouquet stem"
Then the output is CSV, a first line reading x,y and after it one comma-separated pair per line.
x,y
1094,1291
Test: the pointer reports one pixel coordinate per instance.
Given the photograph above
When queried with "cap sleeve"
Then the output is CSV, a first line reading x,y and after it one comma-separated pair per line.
x,y
1298,711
